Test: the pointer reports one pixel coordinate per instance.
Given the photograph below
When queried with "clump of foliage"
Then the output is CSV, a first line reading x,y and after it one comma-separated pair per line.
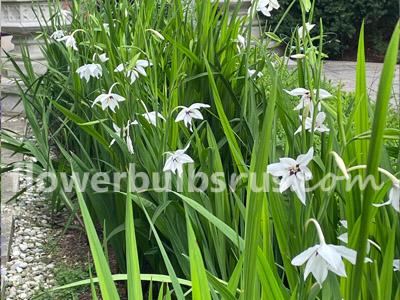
x,y
234,243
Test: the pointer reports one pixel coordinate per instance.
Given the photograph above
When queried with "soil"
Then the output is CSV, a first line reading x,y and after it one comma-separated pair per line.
x,y
73,250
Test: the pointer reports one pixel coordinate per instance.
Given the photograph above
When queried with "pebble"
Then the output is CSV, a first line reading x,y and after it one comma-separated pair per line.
x,y
29,268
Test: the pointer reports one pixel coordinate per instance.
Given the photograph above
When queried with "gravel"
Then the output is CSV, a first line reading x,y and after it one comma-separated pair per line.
x,y
30,268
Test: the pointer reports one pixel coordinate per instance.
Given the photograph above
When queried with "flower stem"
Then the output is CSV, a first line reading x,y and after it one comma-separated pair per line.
x,y
319,230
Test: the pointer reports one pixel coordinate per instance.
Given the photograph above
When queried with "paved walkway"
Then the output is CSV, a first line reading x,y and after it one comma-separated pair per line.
x,y
344,72
9,183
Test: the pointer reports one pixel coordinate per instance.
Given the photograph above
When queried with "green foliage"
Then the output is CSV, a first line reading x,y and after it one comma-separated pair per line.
x,y
342,19
233,244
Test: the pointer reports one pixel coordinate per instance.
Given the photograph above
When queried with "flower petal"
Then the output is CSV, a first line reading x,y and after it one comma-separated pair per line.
x,y
304,256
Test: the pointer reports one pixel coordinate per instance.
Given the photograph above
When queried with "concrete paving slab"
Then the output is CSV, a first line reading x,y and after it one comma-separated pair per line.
x,y
344,73
9,184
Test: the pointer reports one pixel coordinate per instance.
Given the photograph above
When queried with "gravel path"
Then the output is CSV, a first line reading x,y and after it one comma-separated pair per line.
x,y
29,269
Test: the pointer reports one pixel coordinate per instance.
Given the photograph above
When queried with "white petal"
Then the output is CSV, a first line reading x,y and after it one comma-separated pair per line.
x,y
347,253
196,114
323,94
277,169
288,162
304,256
343,223
198,105
143,63
304,159
333,259
168,164
396,265
119,68
320,118
286,182
184,158
298,130
344,237
299,188
317,266
99,98
297,92
181,115
394,197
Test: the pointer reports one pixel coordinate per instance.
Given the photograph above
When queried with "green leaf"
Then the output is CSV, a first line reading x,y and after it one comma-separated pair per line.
x,y
374,155
132,258
200,289
107,286
229,133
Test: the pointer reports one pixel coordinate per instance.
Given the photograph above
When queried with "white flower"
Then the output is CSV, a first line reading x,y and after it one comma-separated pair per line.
x,y
138,69
110,100
344,237
293,173
396,265
187,114
309,27
119,68
266,6
394,197
125,134
90,70
323,257
298,56
70,41
150,117
156,34
241,41
103,57
57,35
251,72
176,160
341,165
305,100
319,123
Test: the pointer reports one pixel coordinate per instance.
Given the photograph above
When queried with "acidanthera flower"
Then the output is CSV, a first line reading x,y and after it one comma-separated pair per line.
x,y
151,117
305,100
344,237
298,56
394,197
396,265
103,57
109,100
176,160
70,41
241,41
57,35
125,134
309,27
119,68
251,72
138,69
324,257
266,6
318,126
156,34
90,70
187,114
341,164
293,173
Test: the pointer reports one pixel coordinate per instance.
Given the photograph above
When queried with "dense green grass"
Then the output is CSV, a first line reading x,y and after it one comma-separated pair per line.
x,y
232,244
